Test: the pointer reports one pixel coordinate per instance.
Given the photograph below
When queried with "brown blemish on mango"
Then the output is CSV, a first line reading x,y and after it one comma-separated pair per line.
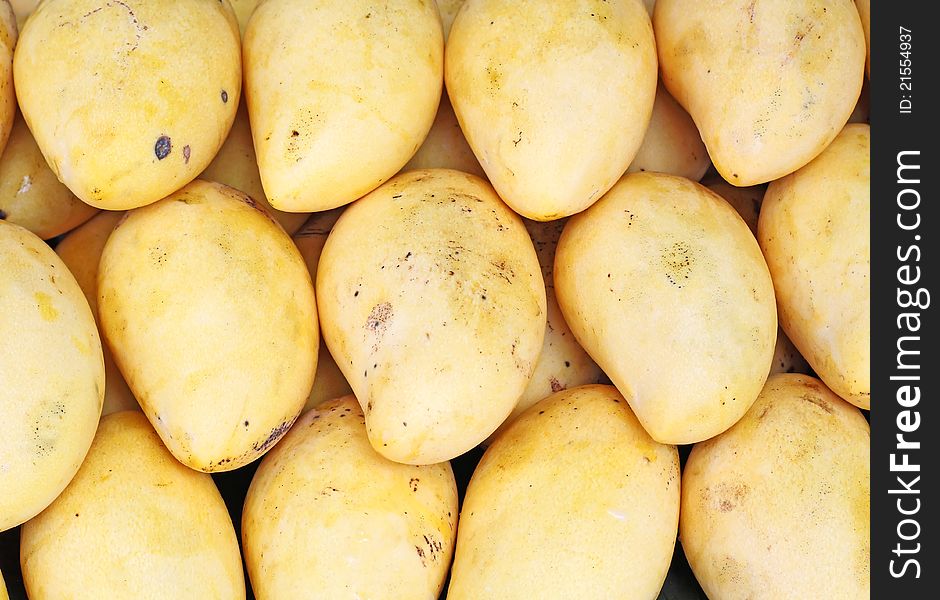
x,y
725,497
379,317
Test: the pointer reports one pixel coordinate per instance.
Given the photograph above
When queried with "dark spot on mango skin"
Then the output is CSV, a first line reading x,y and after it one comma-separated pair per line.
x,y
276,434
725,496
557,386
224,97
186,153
3,215
818,402
163,147
379,317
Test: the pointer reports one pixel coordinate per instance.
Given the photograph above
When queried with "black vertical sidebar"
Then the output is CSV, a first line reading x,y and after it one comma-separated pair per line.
x,y
905,267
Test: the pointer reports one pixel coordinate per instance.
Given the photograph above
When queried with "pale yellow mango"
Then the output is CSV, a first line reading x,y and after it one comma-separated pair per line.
x,y
769,84
8,39
778,506
574,500
22,9
325,510
329,382
563,363
553,97
134,523
52,376
81,252
30,194
129,101
672,143
445,147
209,311
864,11
236,166
448,10
815,231
745,200
665,287
433,305
343,99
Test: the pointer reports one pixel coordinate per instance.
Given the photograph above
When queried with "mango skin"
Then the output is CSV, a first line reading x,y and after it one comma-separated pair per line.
x,y
168,72
448,10
324,505
237,166
574,500
787,359
746,200
243,11
815,231
81,252
516,70
672,143
3,589
209,311
22,9
791,477
438,320
563,363
8,36
134,523
30,194
769,84
646,279
329,381
345,97
445,147
52,373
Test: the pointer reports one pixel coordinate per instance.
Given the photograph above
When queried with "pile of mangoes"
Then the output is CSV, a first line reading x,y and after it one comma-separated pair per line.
x,y
357,240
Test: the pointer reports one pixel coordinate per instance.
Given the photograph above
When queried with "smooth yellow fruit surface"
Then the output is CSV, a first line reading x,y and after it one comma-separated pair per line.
x,y
554,97
344,97
324,510
209,311
448,10
563,363
574,500
445,147
769,84
815,231
329,382
134,523
52,376
81,252
672,143
128,100
30,194
789,480
665,287
22,9
433,305
237,166
243,11
745,200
